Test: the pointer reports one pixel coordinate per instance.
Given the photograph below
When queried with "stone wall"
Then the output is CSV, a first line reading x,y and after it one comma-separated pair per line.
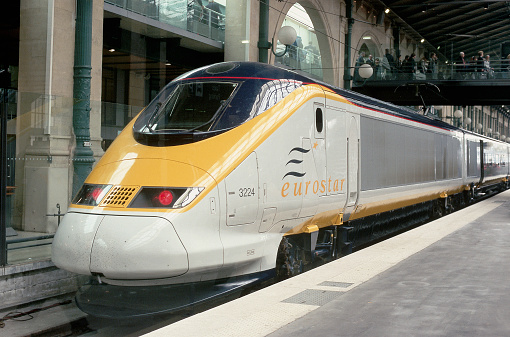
x,y
28,283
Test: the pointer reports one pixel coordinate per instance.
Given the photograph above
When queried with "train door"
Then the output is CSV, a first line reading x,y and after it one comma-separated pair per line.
x,y
318,143
314,163
353,167
242,242
336,152
242,187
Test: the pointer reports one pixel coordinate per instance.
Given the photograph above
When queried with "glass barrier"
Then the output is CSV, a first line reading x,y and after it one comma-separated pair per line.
x,y
39,165
37,194
208,22
114,117
40,144
307,60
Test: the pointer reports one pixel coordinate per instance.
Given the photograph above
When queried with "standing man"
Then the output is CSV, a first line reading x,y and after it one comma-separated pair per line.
x,y
359,62
391,61
461,66
433,66
413,66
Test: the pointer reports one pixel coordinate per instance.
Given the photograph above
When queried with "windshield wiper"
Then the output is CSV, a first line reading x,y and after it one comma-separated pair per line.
x,y
222,105
151,120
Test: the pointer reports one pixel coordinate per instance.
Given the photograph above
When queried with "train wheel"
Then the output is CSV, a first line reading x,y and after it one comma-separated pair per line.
x,y
289,260
448,205
469,196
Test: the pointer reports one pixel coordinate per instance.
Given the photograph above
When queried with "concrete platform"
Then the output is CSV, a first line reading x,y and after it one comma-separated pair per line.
x,y
449,277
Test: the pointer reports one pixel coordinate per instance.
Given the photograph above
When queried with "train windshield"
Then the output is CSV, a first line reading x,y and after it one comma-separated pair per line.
x,y
190,107
190,111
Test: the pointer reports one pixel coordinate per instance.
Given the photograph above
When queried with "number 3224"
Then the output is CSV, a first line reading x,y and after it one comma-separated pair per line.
x,y
246,192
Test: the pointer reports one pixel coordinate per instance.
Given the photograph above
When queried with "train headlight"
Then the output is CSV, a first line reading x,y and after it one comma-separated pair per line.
x,y
165,197
91,194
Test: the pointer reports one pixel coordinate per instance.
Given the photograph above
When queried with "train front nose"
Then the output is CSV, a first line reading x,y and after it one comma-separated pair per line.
x,y
119,247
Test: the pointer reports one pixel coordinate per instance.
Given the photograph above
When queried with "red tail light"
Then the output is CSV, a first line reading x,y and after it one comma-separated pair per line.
x,y
91,194
96,193
165,197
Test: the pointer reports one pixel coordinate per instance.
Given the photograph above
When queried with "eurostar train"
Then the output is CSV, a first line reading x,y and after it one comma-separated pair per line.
x,y
242,168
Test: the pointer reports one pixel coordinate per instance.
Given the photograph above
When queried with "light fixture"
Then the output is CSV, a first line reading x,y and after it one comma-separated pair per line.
x,y
366,71
287,35
422,40
479,126
245,41
367,38
387,10
467,120
457,114
111,50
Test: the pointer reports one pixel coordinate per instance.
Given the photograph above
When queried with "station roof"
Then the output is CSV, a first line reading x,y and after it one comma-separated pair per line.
x,y
450,27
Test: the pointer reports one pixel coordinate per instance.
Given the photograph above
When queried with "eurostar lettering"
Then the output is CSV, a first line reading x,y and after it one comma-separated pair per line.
x,y
315,187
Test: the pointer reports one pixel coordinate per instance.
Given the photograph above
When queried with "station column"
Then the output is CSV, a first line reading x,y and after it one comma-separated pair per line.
x,y
241,30
44,123
83,156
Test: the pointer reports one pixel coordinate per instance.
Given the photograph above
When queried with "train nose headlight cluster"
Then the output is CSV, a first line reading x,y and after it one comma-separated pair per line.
x,y
135,196
165,197
91,195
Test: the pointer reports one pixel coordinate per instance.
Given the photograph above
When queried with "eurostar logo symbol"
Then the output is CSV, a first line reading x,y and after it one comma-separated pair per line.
x,y
295,161
304,186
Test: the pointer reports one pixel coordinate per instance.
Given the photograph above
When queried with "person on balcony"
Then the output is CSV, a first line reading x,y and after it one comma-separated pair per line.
x,y
392,63
461,67
487,67
359,62
433,70
480,66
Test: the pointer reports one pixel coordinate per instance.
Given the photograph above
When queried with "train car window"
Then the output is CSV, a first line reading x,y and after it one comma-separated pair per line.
x,y
319,121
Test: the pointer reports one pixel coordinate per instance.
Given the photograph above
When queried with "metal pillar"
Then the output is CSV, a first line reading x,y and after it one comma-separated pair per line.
x,y
83,155
263,43
347,54
396,42
3,178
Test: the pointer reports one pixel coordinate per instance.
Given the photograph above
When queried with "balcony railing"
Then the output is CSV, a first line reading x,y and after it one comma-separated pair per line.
x,y
444,71
180,14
